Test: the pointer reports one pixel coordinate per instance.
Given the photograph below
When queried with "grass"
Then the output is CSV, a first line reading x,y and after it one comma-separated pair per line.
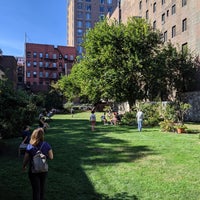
x,y
111,163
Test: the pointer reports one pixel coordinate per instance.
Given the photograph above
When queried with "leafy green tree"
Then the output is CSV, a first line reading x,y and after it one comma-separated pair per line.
x,y
127,62
17,110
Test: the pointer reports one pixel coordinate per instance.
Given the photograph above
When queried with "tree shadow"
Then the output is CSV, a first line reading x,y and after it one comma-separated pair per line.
x,y
75,145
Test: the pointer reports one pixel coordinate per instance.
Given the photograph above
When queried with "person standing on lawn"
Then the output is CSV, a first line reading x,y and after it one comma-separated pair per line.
x,y
37,180
139,117
92,120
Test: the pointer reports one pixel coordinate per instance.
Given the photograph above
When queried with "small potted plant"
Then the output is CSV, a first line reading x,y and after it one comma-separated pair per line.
x,y
181,128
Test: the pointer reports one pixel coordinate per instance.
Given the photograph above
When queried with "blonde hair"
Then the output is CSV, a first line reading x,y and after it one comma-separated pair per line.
x,y
37,136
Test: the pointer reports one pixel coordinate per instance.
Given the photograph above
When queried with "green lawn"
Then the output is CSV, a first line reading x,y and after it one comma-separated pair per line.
x,y
111,163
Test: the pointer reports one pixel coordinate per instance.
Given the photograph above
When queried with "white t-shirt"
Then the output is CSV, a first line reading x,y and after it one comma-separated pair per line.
x,y
139,115
92,117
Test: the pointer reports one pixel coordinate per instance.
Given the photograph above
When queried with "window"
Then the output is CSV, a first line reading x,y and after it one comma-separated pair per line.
x,y
79,50
34,64
140,5
28,63
41,64
154,7
163,2
34,55
35,74
54,75
79,40
46,74
88,16
54,65
60,56
110,9
184,25
71,57
163,18
79,24
173,9
184,47
66,56
102,1
167,13
109,1
28,74
165,36
80,6
80,15
88,0
147,14
184,3
88,24
54,56
41,55
79,32
101,17
47,55
154,25
88,7
28,55
41,74
47,64
101,9
173,31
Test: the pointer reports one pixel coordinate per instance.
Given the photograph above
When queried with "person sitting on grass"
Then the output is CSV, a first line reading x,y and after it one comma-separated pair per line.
x,y
103,119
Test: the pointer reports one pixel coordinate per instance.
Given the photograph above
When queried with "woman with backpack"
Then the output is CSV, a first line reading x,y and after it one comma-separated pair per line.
x,y
37,179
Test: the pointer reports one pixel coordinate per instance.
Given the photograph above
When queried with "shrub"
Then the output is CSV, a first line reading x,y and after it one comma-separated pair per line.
x,y
18,110
129,118
167,126
151,112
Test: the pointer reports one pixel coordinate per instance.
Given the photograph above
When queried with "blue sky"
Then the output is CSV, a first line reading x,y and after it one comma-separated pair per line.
x,y
42,21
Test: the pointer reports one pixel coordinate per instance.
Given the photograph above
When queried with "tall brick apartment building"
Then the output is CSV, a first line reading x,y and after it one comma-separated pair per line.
x,y
82,15
178,20
45,64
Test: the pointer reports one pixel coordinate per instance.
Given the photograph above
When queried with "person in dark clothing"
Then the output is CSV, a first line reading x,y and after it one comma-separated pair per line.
x,y
26,135
37,180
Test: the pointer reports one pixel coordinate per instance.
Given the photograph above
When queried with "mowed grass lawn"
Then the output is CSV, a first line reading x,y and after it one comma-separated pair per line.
x,y
111,163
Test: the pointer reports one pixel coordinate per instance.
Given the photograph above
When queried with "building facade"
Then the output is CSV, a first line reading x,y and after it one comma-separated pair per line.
x,y
45,64
8,67
178,20
20,72
82,15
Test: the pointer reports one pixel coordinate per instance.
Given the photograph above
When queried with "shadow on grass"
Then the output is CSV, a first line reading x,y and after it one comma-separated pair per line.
x,y
74,145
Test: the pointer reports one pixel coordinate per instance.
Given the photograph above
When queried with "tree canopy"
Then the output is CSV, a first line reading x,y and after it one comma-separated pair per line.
x,y
127,62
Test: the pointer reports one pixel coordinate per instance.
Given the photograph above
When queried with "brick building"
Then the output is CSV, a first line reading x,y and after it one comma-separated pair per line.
x,y
8,67
82,15
178,20
45,64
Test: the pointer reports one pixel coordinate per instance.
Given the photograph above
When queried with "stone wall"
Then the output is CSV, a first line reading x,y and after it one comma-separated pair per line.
x,y
193,98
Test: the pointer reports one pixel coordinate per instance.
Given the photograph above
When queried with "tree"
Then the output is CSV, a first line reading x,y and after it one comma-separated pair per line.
x,y
17,110
126,62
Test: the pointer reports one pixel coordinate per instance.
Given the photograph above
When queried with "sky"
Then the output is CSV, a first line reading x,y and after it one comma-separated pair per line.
x,y
34,21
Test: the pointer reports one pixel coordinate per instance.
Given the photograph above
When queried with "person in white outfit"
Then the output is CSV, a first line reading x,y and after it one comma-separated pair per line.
x,y
139,117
